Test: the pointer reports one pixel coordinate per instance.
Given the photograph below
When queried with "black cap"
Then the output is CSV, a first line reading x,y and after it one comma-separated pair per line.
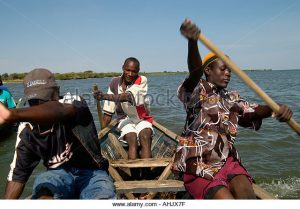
x,y
39,84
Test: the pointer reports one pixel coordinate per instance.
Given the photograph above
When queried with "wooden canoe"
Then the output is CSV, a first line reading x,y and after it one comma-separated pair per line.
x,y
165,185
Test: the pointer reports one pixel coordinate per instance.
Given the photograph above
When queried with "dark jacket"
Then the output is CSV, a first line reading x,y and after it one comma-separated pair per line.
x,y
68,143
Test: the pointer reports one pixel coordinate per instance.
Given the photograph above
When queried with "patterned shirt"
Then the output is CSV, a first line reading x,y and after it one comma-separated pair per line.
x,y
211,127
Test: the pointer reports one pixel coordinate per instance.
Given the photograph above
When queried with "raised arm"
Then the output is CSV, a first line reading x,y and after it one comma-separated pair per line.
x,y
190,31
194,60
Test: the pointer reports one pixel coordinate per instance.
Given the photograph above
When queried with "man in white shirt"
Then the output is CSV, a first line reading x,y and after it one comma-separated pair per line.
x,y
127,97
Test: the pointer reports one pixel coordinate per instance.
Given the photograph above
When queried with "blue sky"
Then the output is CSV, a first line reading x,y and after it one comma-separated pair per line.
x,y
73,35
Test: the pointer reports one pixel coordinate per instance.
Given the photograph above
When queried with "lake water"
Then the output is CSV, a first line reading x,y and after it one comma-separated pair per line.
x,y
270,155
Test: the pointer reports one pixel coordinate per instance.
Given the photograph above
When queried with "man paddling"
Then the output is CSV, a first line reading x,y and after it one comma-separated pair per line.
x,y
205,153
127,97
62,133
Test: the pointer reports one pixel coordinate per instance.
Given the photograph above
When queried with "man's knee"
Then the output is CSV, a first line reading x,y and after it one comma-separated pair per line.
x,y
44,193
244,192
100,186
57,184
131,138
219,192
145,135
241,188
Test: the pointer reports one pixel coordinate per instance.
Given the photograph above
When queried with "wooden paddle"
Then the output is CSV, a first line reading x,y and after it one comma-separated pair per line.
x,y
273,105
95,88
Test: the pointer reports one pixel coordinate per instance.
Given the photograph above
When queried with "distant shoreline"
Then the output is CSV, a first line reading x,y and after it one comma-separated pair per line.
x,y
18,78
258,69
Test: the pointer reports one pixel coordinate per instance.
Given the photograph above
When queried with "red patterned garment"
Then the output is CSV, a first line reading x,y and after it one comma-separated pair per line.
x,y
211,127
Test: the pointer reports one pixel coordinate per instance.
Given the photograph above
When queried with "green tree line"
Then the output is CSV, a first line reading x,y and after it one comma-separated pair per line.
x,y
79,75
61,76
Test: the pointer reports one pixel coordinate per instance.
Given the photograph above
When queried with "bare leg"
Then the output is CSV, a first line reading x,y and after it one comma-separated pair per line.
x,y
145,140
223,193
131,139
241,188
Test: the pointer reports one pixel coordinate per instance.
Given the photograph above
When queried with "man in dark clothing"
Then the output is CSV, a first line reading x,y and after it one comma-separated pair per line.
x,y
205,153
62,133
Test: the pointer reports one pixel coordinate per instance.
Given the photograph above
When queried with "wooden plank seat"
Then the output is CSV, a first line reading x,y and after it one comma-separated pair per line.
x,y
141,163
149,186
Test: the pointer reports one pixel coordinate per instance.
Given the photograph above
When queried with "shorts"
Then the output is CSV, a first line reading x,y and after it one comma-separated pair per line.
x,y
129,126
201,188
75,183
